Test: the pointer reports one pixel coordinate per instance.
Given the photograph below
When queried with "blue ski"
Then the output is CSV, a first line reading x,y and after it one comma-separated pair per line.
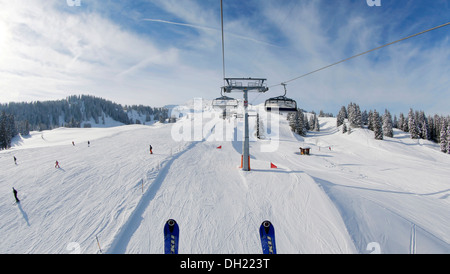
x,y
267,234
171,233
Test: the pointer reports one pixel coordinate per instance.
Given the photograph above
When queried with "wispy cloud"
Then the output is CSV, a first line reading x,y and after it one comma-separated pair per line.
x,y
160,52
411,74
63,53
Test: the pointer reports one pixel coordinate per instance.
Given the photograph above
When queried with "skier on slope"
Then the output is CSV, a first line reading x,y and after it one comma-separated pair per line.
x,y
15,160
151,148
57,164
15,195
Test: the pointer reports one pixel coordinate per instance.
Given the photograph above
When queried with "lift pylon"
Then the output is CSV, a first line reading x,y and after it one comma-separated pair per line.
x,y
245,85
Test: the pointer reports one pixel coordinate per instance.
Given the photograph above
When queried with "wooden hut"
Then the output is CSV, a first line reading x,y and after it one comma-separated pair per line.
x,y
304,150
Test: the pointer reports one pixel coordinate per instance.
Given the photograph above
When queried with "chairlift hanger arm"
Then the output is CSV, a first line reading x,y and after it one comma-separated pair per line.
x,y
285,90
251,84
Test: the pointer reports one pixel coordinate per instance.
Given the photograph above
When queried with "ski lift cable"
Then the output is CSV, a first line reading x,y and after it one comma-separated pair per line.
x,y
223,43
366,52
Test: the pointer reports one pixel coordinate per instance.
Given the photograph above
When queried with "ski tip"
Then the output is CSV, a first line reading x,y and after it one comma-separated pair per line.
x,y
171,222
171,226
266,227
266,223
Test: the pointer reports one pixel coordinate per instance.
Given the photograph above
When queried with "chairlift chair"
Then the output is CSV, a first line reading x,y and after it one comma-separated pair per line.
x,y
224,102
282,103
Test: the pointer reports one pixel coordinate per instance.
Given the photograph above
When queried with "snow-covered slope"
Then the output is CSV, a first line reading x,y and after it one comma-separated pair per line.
x,y
394,193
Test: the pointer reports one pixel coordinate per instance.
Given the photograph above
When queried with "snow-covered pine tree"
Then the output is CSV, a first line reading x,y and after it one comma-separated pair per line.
x,y
354,115
444,137
395,122
370,120
259,127
425,134
12,129
387,124
448,139
299,123
23,127
401,121
377,125
341,116
364,117
351,113
419,121
405,125
3,138
431,130
7,130
357,120
437,128
422,123
412,125
306,124
291,119
296,122
316,124
311,122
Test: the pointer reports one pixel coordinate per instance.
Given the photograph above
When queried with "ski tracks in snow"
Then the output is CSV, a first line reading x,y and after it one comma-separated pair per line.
x,y
123,236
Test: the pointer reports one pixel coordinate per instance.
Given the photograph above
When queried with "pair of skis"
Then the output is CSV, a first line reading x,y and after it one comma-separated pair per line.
x,y
172,233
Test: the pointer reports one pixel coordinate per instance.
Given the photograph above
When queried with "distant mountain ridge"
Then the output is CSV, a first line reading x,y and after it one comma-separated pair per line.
x,y
74,111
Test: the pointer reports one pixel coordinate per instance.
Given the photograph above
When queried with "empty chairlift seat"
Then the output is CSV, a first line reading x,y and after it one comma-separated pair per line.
x,y
224,102
281,103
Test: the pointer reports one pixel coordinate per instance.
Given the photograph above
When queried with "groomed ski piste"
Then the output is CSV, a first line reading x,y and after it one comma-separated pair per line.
x,y
353,194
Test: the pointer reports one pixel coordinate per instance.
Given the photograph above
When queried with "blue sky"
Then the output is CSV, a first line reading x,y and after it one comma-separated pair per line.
x,y
158,52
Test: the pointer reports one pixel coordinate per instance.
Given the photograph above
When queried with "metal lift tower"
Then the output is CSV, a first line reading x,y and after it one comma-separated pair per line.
x,y
245,85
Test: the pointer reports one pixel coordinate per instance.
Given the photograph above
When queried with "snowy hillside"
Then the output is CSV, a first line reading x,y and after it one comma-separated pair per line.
x,y
352,193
